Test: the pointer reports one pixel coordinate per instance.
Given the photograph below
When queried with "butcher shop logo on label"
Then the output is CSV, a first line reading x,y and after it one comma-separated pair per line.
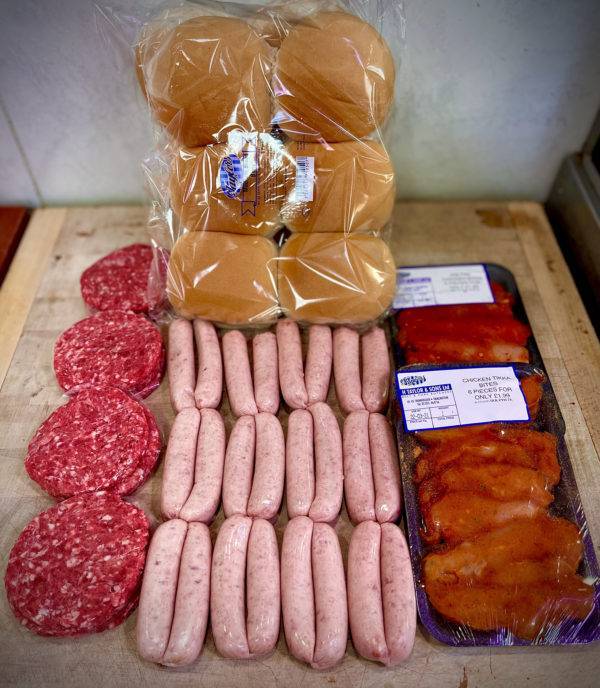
x,y
412,380
231,176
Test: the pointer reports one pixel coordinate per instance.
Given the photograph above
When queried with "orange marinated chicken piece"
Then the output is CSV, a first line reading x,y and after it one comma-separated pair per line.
x,y
436,460
459,351
542,445
432,438
532,390
420,333
465,332
499,481
410,318
461,516
502,307
552,568
533,540
497,444
524,610
502,295
520,577
529,572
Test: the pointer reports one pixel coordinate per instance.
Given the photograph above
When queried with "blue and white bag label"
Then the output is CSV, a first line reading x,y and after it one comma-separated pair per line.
x,y
448,398
442,285
231,175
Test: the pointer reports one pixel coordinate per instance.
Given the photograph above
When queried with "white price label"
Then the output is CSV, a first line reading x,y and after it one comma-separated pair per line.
x,y
305,179
249,163
442,285
447,398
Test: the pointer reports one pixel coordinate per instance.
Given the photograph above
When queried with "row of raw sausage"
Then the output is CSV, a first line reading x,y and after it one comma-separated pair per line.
x,y
249,472
244,587
186,388
204,390
253,476
319,466
277,363
381,594
199,469
358,386
361,369
239,583
314,464
245,590
173,611
313,593
193,467
371,472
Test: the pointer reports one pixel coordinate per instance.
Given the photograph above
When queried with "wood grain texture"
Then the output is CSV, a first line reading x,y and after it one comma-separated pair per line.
x,y
513,235
23,279
568,318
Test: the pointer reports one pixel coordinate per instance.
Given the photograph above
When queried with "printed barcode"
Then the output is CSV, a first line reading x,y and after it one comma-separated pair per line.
x,y
305,173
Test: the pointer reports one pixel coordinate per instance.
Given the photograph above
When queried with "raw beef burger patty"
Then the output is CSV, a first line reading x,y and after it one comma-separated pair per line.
x,y
148,459
101,439
76,568
119,281
111,348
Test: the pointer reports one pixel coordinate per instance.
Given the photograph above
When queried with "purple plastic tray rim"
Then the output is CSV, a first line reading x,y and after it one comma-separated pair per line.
x,y
567,503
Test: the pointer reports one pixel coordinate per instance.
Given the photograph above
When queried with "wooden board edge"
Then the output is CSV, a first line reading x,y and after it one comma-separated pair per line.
x,y
23,279
570,323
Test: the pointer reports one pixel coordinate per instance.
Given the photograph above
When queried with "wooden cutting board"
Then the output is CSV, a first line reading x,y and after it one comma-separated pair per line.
x,y
40,298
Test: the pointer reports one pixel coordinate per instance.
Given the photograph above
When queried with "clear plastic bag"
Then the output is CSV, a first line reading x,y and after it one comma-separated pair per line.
x,y
332,276
269,116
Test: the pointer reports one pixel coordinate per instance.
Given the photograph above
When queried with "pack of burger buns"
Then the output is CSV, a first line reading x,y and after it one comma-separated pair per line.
x,y
271,182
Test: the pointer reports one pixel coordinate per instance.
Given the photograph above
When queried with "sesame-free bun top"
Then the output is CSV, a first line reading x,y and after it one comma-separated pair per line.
x,y
205,77
230,187
334,77
227,278
353,187
335,278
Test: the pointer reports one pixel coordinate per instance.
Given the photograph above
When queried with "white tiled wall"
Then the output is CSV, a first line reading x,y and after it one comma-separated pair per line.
x,y
491,95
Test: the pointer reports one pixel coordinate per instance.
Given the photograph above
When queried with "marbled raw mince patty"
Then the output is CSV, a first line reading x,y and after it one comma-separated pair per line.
x,y
76,568
119,281
147,461
103,625
96,441
111,348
